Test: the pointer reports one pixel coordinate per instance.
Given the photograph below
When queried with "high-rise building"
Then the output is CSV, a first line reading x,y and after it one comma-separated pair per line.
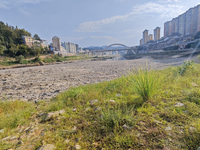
x,y
141,42
150,37
56,43
145,36
157,33
166,29
187,23
71,47
181,20
198,16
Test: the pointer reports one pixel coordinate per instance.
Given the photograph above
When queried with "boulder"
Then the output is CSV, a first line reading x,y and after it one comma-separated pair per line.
x,y
51,115
47,147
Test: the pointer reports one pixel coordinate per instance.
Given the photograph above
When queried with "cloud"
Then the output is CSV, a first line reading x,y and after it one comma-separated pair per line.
x,y
11,3
3,6
169,1
162,10
147,8
24,12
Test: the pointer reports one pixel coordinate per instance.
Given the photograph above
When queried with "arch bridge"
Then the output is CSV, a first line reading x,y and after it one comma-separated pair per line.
x,y
106,49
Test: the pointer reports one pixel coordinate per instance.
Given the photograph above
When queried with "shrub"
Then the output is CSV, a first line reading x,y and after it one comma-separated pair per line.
x,y
20,59
48,60
182,69
24,62
37,59
145,83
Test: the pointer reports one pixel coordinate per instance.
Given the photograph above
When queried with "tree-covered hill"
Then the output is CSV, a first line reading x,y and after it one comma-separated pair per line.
x,y
11,43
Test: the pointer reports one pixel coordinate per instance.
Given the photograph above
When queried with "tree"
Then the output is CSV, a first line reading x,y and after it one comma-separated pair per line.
x,y
23,50
36,37
12,50
1,49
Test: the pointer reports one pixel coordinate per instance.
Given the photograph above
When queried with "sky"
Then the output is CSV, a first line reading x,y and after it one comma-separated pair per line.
x,y
92,22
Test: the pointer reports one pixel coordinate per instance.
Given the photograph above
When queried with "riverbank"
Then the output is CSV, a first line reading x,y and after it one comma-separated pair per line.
x,y
110,115
45,82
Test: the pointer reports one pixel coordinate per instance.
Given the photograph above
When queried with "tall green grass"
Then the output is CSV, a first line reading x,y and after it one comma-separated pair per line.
x,y
15,113
146,83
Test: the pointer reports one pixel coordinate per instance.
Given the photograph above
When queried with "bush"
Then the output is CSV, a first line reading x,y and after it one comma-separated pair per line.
x,y
37,59
20,59
25,62
145,83
48,60
182,69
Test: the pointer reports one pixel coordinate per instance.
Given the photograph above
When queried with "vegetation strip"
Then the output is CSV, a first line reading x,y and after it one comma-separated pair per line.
x,y
161,111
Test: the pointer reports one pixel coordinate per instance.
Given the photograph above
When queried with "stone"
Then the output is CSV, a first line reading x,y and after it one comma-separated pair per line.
x,y
98,108
88,108
112,102
168,128
13,138
74,109
51,115
118,95
126,127
198,148
66,141
179,105
92,102
77,146
2,130
192,129
194,84
47,147
4,139
158,122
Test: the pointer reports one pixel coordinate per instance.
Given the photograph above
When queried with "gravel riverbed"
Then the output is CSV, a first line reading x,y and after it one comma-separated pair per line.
x,y
45,82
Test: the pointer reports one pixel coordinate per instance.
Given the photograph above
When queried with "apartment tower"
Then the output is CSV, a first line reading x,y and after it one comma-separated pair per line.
x,y
141,42
56,43
157,33
150,37
145,36
185,24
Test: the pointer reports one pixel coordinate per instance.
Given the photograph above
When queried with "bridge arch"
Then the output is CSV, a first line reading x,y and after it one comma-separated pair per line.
x,y
117,44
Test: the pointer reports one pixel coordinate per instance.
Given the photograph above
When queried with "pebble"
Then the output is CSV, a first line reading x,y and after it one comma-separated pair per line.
x,y
179,105
47,147
92,102
168,128
77,147
2,130
98,108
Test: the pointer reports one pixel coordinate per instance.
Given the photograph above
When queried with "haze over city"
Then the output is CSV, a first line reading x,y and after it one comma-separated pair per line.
x,y
92,23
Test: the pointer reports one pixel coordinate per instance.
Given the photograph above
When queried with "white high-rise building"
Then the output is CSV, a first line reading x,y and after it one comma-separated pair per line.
x,y
56,43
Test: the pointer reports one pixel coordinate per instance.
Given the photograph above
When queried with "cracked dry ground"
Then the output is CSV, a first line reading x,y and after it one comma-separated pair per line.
x,y
45,82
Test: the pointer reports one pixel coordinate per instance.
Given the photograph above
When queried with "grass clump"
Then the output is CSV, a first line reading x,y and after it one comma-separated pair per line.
x,y
145,83
113,118
15,113
181,70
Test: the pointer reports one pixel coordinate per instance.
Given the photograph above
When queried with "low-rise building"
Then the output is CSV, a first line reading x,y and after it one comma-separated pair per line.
x,y
27,40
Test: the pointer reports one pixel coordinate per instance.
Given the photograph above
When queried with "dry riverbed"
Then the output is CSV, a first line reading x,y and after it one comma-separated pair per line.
x,y
45,82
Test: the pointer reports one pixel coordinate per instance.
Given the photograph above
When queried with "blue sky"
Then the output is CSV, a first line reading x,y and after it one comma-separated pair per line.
x,y
92,22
